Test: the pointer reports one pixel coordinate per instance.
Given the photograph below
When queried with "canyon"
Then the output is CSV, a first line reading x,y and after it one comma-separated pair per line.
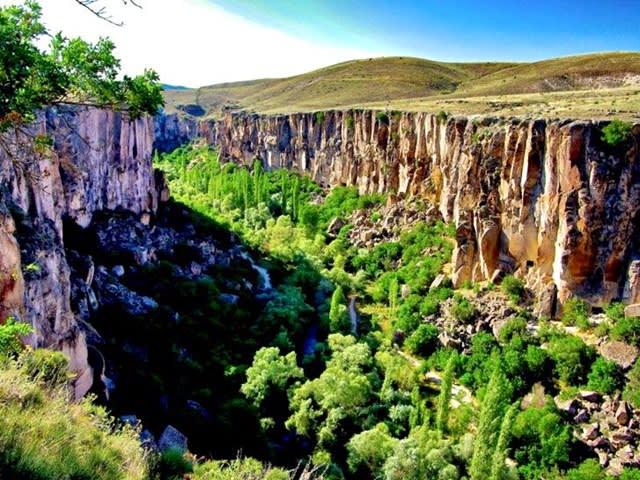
x,y
547,200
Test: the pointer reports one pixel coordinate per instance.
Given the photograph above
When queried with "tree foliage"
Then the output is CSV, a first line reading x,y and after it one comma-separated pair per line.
x,y
72,70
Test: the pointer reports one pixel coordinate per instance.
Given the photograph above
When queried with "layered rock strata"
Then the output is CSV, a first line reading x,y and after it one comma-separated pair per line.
x,y
100,160
548,200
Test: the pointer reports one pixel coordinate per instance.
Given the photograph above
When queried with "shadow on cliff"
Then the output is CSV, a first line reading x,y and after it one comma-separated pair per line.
x,y
177,305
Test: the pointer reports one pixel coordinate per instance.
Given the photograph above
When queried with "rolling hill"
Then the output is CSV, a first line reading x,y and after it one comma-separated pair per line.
x,y
602,84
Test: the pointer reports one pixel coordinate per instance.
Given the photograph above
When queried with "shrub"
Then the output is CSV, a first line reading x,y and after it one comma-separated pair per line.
x,y
174,464
424,340
576,312
10,334
605,376
462,309
632,389
513,287
616,133
319,117
590,469
442,116
627,329
382,118
349,122
572,358
630,474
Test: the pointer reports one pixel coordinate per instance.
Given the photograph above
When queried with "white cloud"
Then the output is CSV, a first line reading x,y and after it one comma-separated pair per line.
x,y
192,42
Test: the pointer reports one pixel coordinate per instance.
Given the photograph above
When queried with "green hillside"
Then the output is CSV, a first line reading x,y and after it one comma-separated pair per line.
x,y
417,84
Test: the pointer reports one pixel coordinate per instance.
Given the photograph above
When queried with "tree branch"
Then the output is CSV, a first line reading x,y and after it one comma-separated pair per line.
x,y
101,11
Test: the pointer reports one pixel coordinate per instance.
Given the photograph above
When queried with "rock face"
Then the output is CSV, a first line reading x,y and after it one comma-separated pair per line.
x,y
100,161
548,200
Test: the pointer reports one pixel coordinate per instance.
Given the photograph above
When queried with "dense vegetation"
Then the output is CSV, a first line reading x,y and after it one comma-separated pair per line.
x,y
358,402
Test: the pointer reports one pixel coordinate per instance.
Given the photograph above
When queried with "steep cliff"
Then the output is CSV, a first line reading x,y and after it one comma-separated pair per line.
x,y
100,161
547,200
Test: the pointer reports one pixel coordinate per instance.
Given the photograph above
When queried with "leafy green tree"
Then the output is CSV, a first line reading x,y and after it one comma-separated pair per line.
x,y
71,71
442,417
270,371
489,422
370,449
321,407
541,441
605,376
572,358
513,287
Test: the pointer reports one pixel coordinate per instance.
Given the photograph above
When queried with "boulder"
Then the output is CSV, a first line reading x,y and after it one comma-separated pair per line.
x,y
632,310
623,354
589,396
172,439
623,414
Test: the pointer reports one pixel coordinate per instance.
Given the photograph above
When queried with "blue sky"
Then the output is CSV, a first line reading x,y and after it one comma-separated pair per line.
x,y
202,42
458,30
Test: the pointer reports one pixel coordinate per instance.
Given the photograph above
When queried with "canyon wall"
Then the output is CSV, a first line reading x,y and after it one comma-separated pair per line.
x,y
547,200
99,161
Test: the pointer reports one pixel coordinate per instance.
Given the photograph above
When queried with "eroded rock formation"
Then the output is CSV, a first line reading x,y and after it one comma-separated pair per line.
x,y
101,161
547,200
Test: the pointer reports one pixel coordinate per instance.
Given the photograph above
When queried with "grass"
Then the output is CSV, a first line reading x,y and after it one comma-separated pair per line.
x,y
602,85
45,436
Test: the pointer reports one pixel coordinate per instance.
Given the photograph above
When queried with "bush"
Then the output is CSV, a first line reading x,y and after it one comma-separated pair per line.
x,y
513,287
605,376
174,464
572,359
319,116
382,118
616,133
590,469
442,116
424,340
349,122
462,309
576,312
10,334
627,329
632,389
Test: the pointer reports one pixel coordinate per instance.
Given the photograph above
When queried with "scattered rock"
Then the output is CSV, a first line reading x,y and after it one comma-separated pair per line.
x,y
118,270
589,396
172,439
623,414
621,353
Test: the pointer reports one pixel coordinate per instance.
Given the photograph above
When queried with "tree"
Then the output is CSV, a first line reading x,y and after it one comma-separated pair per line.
x,y
493,405
270,372
338,315
72,71
442,418
321,407
370,449
500,454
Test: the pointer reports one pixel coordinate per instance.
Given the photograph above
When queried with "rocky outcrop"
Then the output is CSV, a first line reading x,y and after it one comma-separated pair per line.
x,y
99,161
607,425
546,200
